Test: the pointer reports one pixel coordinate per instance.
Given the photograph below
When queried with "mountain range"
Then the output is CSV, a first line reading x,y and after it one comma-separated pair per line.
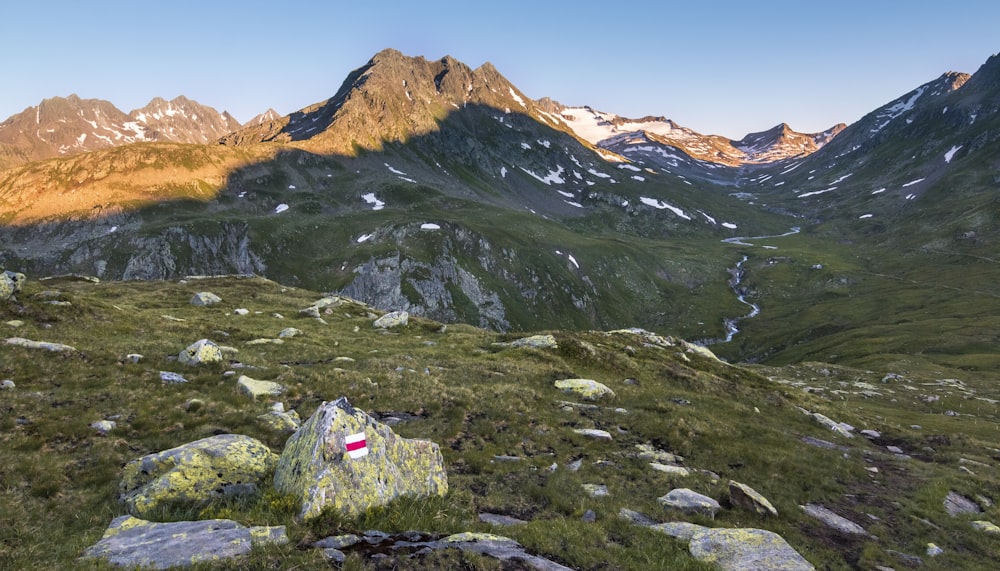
x,y
846,279
430,186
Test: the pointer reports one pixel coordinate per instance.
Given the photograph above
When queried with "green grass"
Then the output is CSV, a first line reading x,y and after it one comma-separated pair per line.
x,y
477,402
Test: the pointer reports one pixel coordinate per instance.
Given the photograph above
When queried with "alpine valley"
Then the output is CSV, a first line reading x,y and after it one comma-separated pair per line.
x,y
848,274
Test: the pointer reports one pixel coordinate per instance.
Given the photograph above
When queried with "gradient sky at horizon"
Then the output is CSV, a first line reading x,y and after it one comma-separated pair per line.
x,y
724,67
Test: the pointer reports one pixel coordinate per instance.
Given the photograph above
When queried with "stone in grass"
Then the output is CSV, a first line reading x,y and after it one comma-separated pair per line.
x,y
593,433
533,342
344,459
392,319
195,473
742,495
956,504
986,527
689,501
7,384
679,529
744,549
133,543
254,388
289,332
200,352
833,520
586,388
172,378
499,519
595,490
203,298
45,345
103,427
280,421
10,283
670,469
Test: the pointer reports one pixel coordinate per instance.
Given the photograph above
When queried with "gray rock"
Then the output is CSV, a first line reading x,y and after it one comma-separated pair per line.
x,y
689,501
203,298
338,541
254,388
44,345
10,284
241,311
200,352
670,469
281,421
649,452
15,323
104,426
593,433
586,388
742,495
132,542
746,549
289,332
134,357
933,550
7,384
172,378
595,490
195,473
956,504
871,434
833,520
678,529
589,516
534,342
498,519
499,547
635,517
392,319
986,527
344,459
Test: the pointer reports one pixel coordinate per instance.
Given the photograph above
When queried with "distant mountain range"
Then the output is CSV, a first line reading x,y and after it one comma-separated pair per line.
x,y
67,126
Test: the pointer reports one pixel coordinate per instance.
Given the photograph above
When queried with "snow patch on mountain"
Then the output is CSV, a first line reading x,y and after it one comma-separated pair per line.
x,y
551,177
375,202
951,153
660,205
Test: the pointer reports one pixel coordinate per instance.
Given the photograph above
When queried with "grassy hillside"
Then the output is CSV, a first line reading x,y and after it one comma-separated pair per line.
x,y
479,401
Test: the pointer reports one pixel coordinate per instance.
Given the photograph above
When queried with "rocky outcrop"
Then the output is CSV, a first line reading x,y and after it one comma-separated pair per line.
x,y
136,543
195,473
345,460
205,298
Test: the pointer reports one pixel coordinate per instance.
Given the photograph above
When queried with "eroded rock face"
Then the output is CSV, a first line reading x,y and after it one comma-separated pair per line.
x,y
132,542
195,473
343,459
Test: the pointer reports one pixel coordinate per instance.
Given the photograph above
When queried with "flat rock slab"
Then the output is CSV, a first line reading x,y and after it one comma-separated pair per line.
x,y
135,543
344,459
499,519
956,504
534,341
44,345
680,529
593,433
833,520
254,388
746,549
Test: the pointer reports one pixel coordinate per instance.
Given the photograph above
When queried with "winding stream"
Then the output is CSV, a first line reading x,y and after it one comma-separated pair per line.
x,y
737,273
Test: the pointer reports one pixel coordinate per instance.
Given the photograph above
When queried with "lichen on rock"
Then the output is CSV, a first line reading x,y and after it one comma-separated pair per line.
x,y
586,388
343,459
195,473
201,352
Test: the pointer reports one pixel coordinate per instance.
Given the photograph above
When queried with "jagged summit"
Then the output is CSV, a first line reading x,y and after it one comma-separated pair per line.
x,y
782,142
63,126
393,97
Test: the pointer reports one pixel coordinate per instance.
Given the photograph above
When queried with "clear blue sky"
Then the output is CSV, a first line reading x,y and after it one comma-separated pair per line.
x,y
722,67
